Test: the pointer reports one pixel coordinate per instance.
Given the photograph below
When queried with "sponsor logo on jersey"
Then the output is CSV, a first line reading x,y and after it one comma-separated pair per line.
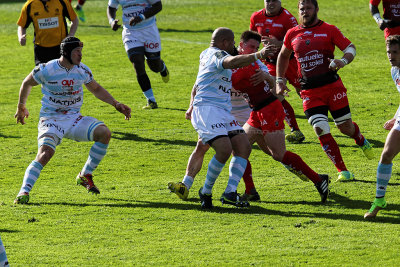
x,y
311,60
218,125
48,23
65,102
152,45
320,35
307,33
51,82
259,24
308,42
52,125
264,122
277,25
234,122
270,21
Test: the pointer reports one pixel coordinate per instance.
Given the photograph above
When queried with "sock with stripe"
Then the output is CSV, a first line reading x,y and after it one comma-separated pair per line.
x,y
248,178
213,171
383,174
188,181
296,165
96,154
332,150
31,175
357,136
237,167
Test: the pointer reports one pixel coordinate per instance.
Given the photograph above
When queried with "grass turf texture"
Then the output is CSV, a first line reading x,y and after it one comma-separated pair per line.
x,y
135,220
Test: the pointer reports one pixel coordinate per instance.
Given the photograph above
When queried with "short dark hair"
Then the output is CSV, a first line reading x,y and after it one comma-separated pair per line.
x,y
393,39
247,35
314,2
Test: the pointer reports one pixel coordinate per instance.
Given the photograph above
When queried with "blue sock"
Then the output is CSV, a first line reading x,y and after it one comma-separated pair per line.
x,y
188,181
149,95
383,174
236,170
3,256
31,175
96,154
213,171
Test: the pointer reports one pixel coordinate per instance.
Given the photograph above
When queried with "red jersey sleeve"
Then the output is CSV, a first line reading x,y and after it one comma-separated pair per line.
x,y
287,41
375,2
339,39
290,20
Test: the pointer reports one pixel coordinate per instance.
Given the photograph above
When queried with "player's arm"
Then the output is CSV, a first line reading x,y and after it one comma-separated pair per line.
x,y
281,67
74,27
188,113
348,55
382,23
111,14
22,35
98,91
24,91
233,62
148,12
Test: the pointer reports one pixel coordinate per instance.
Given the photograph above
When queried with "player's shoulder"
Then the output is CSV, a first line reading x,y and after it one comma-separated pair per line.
x,y
84,69
286,12
257,14
395,71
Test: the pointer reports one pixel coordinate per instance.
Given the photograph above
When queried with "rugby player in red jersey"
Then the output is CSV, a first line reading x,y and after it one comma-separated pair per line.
x,y
322,90
265,125
390,23
272,23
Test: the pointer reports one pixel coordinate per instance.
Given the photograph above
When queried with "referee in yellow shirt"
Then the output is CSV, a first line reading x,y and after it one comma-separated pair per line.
x,y
50,26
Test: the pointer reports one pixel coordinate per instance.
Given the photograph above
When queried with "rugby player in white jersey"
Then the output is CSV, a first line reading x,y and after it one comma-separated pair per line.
x,y
212,118
61,80
392,144
241,111
3,256
141,40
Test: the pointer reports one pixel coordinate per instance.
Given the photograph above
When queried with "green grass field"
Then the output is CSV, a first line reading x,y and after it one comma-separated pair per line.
x,y
135,220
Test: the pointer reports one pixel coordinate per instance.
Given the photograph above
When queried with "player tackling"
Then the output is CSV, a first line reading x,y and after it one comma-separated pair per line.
x,y
61,80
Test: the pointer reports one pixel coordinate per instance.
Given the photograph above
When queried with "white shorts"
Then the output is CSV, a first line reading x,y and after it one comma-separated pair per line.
x,y
149,38
396,125
75,127
210,122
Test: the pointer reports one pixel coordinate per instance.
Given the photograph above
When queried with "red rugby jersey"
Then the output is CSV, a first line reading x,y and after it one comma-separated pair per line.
x,y
256,95
313,46
391,8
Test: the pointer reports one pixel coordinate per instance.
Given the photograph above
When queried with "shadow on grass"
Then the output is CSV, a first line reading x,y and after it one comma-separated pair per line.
x,y
193,204
8,231
135,137
375,143
8,136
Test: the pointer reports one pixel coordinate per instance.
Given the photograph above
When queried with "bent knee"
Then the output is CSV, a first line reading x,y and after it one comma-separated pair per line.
x,y
102,134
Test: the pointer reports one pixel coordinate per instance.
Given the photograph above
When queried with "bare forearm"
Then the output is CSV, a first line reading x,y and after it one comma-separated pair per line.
x,y
234,62
74,27
155,8
282,65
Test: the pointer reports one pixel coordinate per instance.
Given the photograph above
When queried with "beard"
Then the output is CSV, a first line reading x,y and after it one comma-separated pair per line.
x,y
308,21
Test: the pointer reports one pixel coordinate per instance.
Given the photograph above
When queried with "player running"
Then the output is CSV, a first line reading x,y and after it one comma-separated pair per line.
x,y
60,116
272,23
322,90
390,23
392,144
141,40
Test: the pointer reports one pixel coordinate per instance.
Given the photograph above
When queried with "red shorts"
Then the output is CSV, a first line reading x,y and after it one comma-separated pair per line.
x,y
269,118
291,73
392,31
333,95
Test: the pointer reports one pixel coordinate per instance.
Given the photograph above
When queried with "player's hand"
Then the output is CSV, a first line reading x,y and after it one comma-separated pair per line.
x,y
335,64
271,40
188,113
259,77
383,23
281,89
268,51
115,26
124,109
135,20
389,124
22,41
21,114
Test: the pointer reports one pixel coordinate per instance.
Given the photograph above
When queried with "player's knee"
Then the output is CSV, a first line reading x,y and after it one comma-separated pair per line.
x,y
320,124
154,65
201,148
277,155
44,155
346,126
102,134
387,156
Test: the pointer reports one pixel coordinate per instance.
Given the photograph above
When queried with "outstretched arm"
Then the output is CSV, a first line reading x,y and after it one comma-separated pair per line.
x,y
24,91
111,14
98,91
233,62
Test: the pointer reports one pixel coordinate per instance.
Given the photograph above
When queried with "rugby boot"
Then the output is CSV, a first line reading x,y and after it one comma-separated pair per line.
x,y
22,198
367,149
179,189
252,196
345,176
150,105
234,199
81,14
165,75
323,187
206,200
87,182
295,137
377,205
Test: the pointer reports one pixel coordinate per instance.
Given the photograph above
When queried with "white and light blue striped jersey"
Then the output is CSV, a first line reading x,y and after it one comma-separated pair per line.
x,y
61,88
396,77
133,8
213,83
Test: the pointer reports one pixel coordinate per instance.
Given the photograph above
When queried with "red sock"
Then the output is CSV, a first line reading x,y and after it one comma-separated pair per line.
x,y
290,118
296,163
248,178
357,136
81,2
332,150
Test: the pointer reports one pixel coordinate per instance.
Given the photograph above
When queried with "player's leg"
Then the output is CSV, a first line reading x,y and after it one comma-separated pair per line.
x,y
47,144
79,10
384,171
153,52
3,255
194,165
